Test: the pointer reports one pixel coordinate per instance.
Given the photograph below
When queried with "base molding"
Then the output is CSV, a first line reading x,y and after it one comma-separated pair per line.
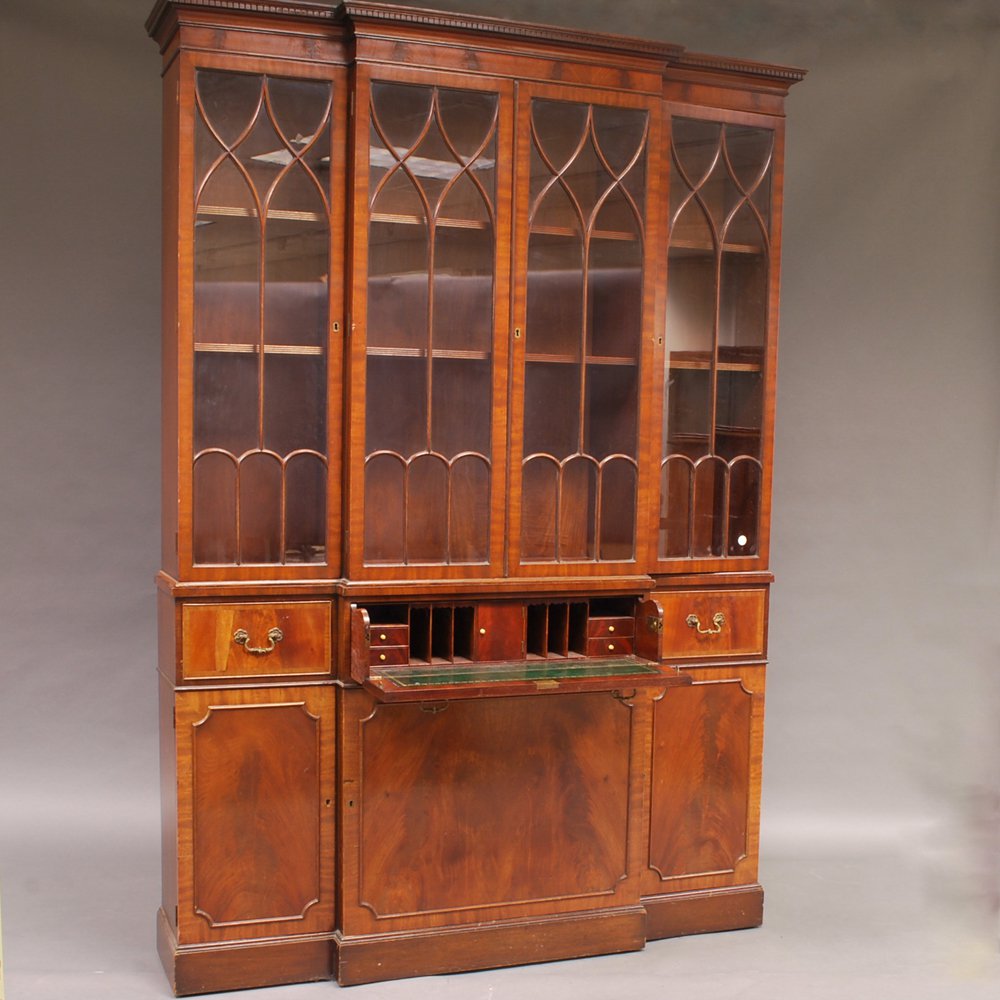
x,y
367,959
237,965
704,911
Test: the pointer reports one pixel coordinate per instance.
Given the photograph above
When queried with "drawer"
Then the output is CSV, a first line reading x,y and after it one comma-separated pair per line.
x,y
385,656
702,623
610,646
621,627
390,635
250,640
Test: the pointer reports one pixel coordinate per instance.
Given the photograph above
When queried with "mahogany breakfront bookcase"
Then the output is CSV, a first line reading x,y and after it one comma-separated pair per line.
x,y
469,334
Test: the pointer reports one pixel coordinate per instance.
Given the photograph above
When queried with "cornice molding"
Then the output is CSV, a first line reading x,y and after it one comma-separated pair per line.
x,y
361,12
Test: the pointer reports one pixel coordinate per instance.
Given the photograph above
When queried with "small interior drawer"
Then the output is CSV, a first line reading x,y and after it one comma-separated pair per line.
x,y
621,627
390,635
240,640
610,646
706,623
385,656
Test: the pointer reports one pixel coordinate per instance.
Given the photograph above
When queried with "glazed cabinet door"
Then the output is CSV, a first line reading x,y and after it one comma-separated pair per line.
x,y
586,222
255,771
720,332
707,742
429,324
260,168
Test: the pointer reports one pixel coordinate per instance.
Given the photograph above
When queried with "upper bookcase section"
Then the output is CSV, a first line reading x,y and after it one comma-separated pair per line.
x,y
324,27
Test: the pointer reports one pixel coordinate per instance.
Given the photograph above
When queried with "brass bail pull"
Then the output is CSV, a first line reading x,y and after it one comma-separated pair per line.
x,y
718,620
242,638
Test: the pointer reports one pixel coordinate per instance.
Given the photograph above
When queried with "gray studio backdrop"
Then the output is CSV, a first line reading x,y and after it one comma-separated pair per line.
x,y
880,840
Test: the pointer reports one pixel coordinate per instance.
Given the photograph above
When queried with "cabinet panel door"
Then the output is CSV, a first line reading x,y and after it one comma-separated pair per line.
x,y
705,776
586,201
486,808
432,221
260,318
255,813
720,332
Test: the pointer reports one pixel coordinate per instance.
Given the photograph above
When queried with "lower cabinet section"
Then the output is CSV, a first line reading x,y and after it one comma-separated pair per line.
x,y
323,833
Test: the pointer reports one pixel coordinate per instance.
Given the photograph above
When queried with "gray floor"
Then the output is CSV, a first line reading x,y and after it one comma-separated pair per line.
x,y
880,921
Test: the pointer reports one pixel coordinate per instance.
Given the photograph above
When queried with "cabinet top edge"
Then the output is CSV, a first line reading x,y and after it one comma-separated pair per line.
x,y
360,12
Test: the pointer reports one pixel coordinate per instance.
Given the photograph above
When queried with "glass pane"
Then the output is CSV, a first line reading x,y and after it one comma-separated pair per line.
x,y
618,503
261,477
261,236
578,509
215,508
584,324
305,509
385,513
716,334
432,164
470,510
539,488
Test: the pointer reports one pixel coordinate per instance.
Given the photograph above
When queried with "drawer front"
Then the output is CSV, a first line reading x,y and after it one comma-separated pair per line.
x,y
704,623
387,656
609,646
252,640
621,627
390,635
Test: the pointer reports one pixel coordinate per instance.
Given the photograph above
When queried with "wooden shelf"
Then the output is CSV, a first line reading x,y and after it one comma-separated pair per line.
x,y
599,234
233,211
297,350
419,220
421,352
722,366
590,359
697,248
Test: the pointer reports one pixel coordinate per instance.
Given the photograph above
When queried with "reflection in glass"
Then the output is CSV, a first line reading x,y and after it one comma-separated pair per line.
x,y
583,326
261,314
431,272
716,334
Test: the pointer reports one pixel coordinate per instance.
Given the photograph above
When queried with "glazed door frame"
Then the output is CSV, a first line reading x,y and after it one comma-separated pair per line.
x,y
722,563
645,410
179,337
357,387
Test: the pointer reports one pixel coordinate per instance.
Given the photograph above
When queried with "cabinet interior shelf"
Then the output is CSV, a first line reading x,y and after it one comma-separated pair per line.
x,y
239,212
302,350
421,352
680,437
419,220
590,359
697,248
692,364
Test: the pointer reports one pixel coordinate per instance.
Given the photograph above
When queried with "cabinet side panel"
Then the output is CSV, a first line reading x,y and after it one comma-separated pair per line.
x,y
701,780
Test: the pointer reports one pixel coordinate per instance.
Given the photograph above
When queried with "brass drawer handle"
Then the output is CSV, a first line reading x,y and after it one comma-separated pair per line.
x,y
718,620
242,638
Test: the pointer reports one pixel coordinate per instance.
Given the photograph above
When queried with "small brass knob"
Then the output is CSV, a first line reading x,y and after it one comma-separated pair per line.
x,y
381,636
611,646
381,656
482,631
611,628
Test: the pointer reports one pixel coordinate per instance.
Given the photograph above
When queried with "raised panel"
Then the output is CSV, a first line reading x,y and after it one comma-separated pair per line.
x,y
255,772
704,775
492,802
